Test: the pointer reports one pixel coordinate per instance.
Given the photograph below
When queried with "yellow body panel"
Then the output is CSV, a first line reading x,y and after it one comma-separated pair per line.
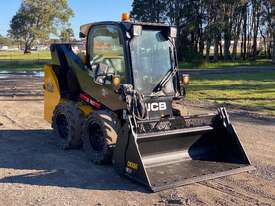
x,y
51,93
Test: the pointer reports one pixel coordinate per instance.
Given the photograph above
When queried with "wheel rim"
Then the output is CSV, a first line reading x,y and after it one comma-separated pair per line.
x,y
63,126
96,137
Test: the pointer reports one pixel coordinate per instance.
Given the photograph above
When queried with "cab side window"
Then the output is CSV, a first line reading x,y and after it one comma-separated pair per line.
x,y
105,47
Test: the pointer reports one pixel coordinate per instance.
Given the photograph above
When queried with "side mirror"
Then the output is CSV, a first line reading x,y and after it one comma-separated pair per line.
x,y
101,73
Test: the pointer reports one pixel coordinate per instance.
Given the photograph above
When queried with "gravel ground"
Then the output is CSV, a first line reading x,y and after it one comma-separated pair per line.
x,y
35,171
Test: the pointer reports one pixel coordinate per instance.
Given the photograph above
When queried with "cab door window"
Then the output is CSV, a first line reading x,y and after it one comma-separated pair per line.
x,y
106,47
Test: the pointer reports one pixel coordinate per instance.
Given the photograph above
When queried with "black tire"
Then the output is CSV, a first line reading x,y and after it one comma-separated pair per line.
x,y
73,85
67,124
99,136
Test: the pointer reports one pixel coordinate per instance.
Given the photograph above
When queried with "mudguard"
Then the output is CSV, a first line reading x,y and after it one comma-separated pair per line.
x,y
52,94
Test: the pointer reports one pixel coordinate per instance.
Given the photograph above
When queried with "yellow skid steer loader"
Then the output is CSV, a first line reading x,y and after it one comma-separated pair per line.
x,y
117,101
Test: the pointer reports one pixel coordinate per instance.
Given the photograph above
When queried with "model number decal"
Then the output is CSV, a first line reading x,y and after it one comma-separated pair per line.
x,y
161,106
132,165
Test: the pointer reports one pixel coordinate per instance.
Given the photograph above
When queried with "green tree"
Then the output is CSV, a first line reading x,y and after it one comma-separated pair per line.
x,y
219,23
36,20
67,35
273,30
148,10
212,29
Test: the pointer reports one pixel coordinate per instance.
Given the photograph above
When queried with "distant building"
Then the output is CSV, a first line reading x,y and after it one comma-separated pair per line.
x,y
3,48
43,47
7,48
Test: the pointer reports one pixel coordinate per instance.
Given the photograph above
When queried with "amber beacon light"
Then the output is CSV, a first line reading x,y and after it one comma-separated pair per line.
x,y
125,17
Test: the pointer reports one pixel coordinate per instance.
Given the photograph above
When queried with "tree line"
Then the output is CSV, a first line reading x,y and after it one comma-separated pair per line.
x,y
232,28
36,20
207,29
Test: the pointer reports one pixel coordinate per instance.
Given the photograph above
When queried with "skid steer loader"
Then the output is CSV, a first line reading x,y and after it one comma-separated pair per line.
x,y
121,101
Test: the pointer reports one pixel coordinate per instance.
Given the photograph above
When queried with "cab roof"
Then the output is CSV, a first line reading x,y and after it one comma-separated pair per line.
x,y
84,29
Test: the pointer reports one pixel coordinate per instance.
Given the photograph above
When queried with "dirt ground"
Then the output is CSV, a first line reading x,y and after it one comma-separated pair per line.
x,y
35,171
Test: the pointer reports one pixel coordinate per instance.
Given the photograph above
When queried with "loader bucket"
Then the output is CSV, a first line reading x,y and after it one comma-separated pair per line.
x,y
205,147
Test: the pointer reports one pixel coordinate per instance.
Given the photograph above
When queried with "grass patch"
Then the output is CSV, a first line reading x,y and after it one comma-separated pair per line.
x,y
18,61
252,90
224,64
22,66
16,56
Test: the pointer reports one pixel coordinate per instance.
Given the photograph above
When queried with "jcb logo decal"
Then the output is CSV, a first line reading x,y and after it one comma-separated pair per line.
x,y
161,106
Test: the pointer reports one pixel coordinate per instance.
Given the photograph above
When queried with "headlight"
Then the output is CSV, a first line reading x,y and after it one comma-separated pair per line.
x,y
185,79
116,81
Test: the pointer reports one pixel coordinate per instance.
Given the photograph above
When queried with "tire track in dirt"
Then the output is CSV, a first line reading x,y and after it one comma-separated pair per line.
x,y
265,171
205,195
238,197
257,188
12,121
20,86
240,193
